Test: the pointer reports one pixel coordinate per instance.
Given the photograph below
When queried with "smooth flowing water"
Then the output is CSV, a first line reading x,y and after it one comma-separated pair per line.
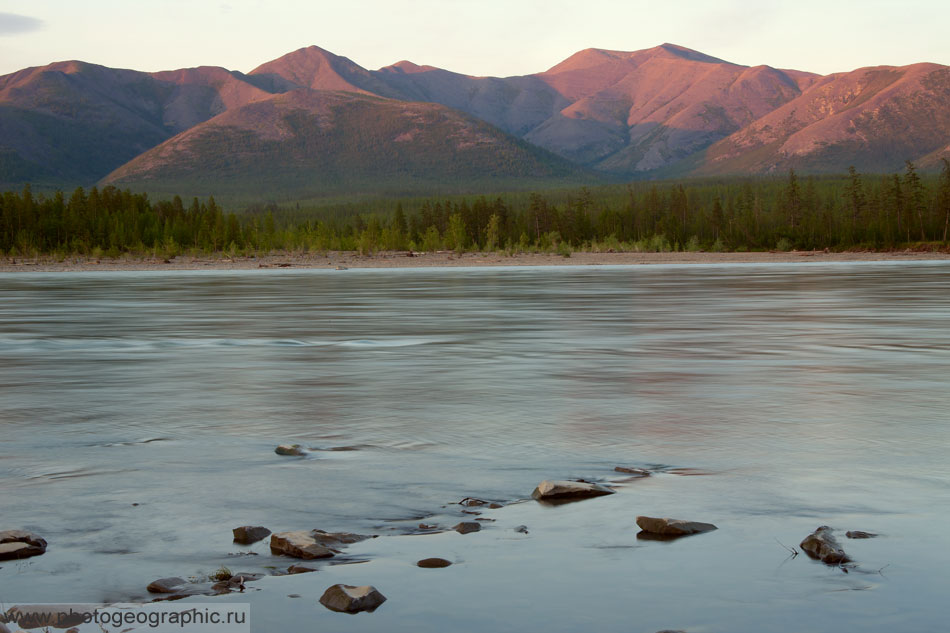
x,y
139,413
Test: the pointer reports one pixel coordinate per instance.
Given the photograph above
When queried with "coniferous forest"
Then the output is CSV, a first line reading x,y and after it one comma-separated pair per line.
x,y
849,212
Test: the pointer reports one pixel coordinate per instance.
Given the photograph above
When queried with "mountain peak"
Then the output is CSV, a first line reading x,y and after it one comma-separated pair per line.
x,y
682,52
407,67
318,69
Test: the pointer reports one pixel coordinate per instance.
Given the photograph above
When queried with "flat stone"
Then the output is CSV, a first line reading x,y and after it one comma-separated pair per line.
x,y
337,538
433,563
673,527
16,544
555,489
467,526
350,599
166,585
293,450
822,545
299,545
630,470
300,569
247,534
471,502
859,534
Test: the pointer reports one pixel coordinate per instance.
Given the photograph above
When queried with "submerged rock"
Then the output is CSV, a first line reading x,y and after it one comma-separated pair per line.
x,y
166,585
822,545
299,545
558,490
16,544
294,450
630,470
467,526
350,599
433,563
522,529
337,538
472,502
672,527
859,534
300,569
247,534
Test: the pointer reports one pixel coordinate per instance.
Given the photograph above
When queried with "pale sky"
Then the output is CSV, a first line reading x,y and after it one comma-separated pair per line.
x,y
476,37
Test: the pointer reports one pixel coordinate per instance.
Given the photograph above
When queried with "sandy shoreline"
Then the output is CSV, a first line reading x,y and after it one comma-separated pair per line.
x,y
401,259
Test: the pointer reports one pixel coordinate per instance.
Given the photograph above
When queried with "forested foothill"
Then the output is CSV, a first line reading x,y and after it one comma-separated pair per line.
x,y
849,212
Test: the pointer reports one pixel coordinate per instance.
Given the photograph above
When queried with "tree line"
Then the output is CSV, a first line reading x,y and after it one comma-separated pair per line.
x,y
854,211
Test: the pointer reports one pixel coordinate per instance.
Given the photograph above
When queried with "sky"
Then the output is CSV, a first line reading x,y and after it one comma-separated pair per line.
x,y
476,37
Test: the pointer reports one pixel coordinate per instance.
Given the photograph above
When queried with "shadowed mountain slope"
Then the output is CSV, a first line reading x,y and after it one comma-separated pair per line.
x,y
309,143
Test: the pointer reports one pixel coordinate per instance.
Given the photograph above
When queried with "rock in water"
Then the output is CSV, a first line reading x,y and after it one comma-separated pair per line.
x,y
350,599
300,569
673,527
433,563
290,449
247,534
166,585
15,544
859,534
822,545
299,545
630,470
549,489
467,526
337,538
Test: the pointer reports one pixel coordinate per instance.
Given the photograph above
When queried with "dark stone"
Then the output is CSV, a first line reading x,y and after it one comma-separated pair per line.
x,y
350,599
293,450
822,545
859,534
299,569
467,526
522,529
166,585
471,502
247,534
337,538
433,563
630,470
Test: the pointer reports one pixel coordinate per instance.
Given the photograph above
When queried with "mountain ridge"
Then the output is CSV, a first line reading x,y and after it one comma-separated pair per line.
x,y
622,114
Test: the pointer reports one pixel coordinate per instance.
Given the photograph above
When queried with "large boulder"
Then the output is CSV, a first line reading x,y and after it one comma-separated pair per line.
x,y
555,490
350,599
300,544
16,544
822,545
672,527
248,534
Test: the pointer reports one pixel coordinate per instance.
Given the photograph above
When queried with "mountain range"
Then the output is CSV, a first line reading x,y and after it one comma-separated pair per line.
x,y
313,123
